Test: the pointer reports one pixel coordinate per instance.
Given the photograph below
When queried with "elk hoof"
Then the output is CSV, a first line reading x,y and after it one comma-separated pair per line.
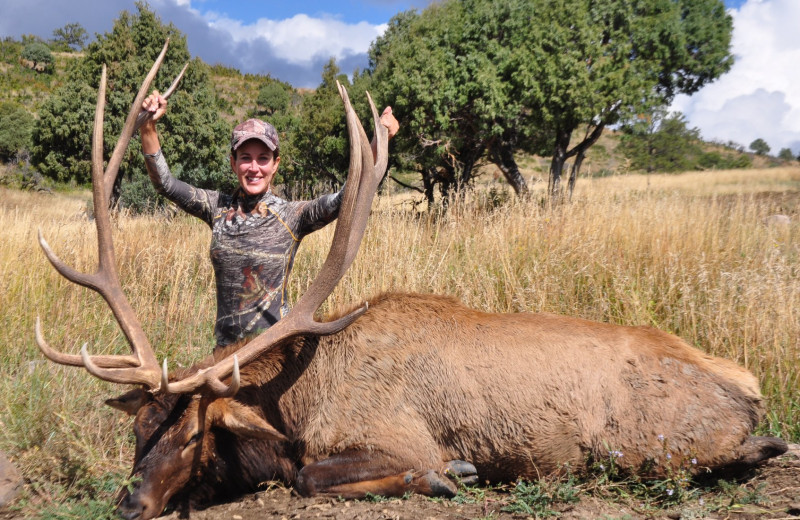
x,y
757,449
433,485
461,471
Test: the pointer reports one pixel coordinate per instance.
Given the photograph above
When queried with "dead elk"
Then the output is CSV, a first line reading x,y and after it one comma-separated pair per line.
x,y
410,391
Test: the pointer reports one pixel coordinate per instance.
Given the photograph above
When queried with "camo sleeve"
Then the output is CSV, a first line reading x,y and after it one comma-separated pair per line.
x,y
319,212
197,202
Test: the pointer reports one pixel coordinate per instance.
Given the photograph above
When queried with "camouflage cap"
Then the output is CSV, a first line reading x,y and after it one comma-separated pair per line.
x,y
254,129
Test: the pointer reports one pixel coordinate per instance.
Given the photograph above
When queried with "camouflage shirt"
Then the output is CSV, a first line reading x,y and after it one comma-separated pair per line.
x,y
253,244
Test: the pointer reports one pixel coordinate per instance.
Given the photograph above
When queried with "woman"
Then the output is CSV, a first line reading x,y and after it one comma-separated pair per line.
x,y
255,234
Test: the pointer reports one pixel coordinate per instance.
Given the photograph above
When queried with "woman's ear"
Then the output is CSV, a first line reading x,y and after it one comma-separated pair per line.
x,y
277,161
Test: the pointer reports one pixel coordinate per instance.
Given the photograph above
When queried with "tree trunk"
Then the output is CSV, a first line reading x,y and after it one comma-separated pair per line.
x,y
116,192
446,183
576,167
465,174
557,163
469,158
580,154
503,157
428,183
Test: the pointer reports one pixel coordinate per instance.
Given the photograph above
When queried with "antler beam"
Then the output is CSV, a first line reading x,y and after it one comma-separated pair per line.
x,y
141,367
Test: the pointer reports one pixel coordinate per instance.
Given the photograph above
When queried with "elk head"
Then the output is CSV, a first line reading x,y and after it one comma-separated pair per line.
x,y
173,414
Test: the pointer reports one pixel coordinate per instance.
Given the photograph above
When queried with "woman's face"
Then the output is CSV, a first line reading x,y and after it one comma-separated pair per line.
x,y
255,166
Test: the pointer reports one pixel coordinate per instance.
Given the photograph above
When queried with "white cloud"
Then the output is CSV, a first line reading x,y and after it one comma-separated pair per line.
x,y
759,97
293,50
301,38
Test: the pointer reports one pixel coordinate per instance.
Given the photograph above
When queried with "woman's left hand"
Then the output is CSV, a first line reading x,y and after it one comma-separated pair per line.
x,y
388,120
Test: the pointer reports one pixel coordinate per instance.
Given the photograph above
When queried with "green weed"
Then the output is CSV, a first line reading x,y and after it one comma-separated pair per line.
x,y
538,498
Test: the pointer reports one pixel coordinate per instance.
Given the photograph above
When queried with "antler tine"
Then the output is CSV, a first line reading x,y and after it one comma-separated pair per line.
x,y
146,115
76,360
382,137
374,174
136,118
362,182
141,367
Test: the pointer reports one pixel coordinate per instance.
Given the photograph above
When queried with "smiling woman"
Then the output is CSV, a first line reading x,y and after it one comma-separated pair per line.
x,y
254,155
255,234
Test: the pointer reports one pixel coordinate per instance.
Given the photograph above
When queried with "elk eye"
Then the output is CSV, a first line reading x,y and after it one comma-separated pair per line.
x,y
196,437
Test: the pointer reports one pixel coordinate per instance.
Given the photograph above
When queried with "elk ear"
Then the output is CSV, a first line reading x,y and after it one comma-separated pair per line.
x,y
242,420
130,401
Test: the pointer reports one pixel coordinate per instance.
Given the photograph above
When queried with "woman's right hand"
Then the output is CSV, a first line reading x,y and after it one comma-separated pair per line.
x,y
156,104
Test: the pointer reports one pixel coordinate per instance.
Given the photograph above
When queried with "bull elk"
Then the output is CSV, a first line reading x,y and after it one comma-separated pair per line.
x,y
408,392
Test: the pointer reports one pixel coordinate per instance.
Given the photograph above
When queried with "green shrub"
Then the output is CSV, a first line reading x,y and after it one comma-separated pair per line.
x,y
16,126
39,54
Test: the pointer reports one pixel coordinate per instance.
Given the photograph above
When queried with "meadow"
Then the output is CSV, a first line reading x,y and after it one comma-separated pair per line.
x,y
691,254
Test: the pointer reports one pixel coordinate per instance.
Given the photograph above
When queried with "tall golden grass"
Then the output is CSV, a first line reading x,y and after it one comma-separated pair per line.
x,y
690,254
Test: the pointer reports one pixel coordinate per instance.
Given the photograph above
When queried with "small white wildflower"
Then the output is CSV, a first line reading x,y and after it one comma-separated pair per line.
x,y
669,456
669,492
701,502
694,461
602,468
660,438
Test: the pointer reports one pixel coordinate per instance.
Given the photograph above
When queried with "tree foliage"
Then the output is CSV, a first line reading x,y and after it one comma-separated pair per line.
x,y
760,147
313,132
193,137
786,154
70,37
661,142
273,97
442,74
320,149
475,76
16,125
38,54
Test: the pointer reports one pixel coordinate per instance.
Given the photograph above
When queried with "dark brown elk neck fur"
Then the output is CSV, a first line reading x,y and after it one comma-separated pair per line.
x,y
228,464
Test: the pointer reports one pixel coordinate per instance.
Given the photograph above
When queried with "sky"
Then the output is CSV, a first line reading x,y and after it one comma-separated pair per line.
x,y
292,40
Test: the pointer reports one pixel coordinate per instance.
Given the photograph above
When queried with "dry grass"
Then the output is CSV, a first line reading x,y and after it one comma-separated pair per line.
x,y
689,254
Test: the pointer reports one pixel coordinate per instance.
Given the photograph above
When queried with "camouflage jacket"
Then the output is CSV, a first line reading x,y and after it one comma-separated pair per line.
x,y
254,240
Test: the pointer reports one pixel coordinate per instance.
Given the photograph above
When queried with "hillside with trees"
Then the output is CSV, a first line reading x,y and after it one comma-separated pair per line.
x,y
478,88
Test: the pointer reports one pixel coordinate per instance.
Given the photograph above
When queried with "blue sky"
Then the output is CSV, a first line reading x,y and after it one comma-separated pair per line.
x,y
292,40
374,12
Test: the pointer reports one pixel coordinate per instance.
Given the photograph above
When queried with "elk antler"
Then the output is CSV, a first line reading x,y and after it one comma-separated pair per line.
x,y
363,178
140,367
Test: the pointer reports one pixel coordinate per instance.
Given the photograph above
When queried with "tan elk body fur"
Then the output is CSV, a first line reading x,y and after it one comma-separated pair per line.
x,y
514,394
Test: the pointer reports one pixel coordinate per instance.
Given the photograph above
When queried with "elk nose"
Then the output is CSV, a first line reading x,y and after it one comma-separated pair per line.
x,y
134,507
129,511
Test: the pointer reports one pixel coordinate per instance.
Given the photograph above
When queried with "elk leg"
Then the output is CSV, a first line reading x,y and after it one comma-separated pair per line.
x,y
428,483
354,474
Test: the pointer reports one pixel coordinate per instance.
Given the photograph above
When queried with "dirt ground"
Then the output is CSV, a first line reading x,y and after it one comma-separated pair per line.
x,y
770,492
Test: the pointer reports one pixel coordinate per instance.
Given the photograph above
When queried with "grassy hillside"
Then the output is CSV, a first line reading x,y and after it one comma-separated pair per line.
x,y
237,92
21,84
